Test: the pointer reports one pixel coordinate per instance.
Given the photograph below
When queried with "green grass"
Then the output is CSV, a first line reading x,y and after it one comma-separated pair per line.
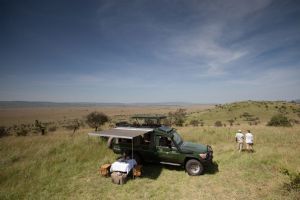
x,y
58,166
261,110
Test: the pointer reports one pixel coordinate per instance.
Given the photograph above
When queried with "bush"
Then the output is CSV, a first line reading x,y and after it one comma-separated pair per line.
x,y
294,183
96,119
218,124
194,122
40,127
3,131
73,125
178,117
279,120
22,131
231,121
52,128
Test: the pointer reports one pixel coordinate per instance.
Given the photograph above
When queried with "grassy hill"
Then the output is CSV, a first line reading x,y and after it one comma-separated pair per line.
x,y
249,112
58,166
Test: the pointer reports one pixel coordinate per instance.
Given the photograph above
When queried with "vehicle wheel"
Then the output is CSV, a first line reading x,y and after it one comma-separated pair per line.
x,y
194,167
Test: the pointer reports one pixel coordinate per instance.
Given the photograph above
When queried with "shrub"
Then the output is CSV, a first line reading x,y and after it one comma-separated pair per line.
x,y
52,128
40,127
177,117
22,131
73,125
194,122
3,131
279,120
96,119
245,114
230,122
218,124
294,183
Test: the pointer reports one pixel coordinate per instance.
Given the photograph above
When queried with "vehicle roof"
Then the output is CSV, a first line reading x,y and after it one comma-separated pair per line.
x,y
165,128
123,132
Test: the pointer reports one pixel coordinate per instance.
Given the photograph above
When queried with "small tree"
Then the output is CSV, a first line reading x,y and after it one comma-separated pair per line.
x,y
178,116
96,119
279,120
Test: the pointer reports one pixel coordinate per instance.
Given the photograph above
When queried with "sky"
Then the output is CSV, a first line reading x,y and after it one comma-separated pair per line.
x,y
198,51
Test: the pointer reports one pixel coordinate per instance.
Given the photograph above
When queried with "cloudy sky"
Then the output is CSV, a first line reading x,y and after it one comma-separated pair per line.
x,y
149,51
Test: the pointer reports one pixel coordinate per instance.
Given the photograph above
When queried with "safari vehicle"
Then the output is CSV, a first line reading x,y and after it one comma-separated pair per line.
x,y
159,145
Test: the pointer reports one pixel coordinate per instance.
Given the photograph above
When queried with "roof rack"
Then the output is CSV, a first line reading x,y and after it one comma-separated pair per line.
x,y
145,116
143,121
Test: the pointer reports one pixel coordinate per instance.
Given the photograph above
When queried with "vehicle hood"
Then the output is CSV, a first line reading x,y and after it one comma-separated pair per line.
x,y
194,147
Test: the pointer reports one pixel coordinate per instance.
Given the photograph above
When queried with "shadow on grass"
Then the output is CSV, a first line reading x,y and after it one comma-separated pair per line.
x,y
248,151
151,171
212,168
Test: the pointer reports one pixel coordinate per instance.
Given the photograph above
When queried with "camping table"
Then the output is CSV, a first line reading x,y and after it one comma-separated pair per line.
x,y
123,166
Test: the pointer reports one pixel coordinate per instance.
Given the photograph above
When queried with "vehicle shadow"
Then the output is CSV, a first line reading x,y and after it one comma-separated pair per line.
x,y
212,168
151,171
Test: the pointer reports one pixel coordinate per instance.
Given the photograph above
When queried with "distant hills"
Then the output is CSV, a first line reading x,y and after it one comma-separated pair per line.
x,y
21,104
297,101
30,104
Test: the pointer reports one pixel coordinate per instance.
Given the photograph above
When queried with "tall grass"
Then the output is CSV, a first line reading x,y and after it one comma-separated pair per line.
x,y
58,166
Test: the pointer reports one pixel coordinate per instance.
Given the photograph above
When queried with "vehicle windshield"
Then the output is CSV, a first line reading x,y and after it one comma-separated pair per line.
x,y
177,138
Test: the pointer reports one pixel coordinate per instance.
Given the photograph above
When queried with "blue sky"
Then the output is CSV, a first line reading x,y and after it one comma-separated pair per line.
x,y
149,51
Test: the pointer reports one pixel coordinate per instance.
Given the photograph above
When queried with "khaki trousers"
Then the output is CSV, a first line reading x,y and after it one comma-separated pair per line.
x,y
240,146
249,146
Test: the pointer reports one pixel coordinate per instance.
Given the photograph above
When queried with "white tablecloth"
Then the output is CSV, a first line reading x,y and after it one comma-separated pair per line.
x,y
123,166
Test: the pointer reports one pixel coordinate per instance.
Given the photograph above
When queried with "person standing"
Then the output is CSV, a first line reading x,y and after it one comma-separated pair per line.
x,y
249,141
239,138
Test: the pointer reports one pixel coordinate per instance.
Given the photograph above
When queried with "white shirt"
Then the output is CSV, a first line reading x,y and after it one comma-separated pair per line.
x,y
239,137
249,138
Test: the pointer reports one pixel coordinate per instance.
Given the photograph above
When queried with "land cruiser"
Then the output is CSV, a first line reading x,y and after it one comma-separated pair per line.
x,y
160,145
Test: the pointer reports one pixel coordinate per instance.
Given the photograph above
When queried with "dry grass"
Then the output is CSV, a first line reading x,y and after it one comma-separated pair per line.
x,y
57,166
10,116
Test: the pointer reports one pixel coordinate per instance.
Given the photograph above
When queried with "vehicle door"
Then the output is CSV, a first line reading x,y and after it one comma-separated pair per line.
x,y
166,151
146,148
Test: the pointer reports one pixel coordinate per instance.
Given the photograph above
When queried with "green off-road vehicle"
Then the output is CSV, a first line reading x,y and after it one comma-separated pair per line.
x,y
151,142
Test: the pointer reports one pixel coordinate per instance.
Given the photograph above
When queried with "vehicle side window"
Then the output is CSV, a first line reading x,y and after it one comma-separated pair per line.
x,y
163,141
124,141
147,139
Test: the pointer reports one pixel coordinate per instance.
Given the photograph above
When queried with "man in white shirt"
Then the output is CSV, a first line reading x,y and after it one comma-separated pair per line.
x,y
239,138
249,141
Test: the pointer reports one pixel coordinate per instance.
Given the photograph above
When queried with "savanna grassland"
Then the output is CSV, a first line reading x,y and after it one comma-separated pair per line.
x,y
61,166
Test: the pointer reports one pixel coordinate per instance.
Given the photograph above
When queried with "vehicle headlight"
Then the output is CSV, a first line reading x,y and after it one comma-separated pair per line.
x,y
203,155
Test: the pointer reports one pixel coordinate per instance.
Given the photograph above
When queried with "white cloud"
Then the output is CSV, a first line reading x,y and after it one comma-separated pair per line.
x,y
204,45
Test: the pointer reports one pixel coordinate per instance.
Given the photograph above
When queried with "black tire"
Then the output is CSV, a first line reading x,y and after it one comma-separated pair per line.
x,y
194,167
